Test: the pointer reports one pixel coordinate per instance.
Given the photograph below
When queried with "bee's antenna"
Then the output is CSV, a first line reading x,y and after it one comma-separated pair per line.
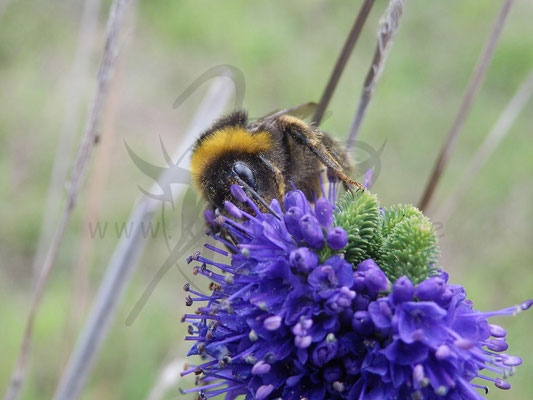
x,y
257,196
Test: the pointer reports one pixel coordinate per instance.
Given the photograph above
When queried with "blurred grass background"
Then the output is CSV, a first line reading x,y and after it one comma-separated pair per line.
x,y
286,51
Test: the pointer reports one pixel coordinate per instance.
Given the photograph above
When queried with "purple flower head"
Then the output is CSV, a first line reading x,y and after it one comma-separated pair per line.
x,y
290,318
438,351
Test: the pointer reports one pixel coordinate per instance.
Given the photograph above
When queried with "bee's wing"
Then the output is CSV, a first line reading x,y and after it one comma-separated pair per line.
x,y
301,111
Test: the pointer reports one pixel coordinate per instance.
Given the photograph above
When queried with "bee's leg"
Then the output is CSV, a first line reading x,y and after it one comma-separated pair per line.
x,y
336,151
314,141
280,182
341,156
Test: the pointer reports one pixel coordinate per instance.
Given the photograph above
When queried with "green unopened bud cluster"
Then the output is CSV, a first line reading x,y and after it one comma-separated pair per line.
x,y
399,238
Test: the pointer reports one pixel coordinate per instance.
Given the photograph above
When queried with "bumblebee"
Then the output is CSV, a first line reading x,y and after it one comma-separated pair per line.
x,y
266,158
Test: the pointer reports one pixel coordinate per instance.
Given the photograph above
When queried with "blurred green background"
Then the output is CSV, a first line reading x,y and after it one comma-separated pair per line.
x,y
286,51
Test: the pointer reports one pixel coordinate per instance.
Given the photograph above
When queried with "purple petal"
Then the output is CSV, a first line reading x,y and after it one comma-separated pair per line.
x,y
402,290
263,391
324,212
337,238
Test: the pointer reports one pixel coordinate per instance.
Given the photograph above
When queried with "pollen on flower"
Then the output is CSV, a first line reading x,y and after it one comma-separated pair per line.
x,y
290,317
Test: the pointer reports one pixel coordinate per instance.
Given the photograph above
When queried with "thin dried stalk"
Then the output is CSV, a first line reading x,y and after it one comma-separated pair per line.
x,y
388,26
125,257
79,169
347,49
472,89
490,144
76,85
99,176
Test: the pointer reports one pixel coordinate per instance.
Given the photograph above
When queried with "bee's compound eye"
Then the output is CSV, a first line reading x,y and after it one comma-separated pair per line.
x,y
245,173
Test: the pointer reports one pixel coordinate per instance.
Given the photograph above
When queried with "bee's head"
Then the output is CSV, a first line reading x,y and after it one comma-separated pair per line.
x,y
230,154
224,174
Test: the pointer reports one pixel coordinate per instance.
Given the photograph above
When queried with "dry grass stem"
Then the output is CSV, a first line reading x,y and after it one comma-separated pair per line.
x,y
74,94
96,194
490,144
347,49
472,89
79,169
126,255
388,26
